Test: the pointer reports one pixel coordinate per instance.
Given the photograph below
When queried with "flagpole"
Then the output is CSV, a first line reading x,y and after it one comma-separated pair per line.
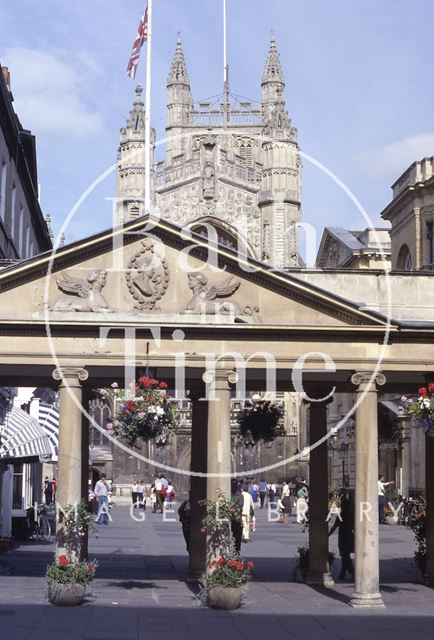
x,y
148,112
225,68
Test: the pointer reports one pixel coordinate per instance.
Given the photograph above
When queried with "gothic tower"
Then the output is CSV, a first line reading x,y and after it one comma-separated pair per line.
x,y
280,197
234,166
130,178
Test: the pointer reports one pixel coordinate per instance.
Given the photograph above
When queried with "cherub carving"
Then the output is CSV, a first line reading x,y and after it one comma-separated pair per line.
x,y
82,295
204,298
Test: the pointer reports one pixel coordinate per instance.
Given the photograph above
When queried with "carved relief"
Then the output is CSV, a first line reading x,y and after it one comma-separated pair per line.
x,y
147,277
82,295
208,180
204,298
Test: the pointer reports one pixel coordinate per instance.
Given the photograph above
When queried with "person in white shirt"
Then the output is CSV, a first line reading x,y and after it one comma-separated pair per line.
x,y
134,492
102,490
382,498
141,494
247,511
170,495
158,486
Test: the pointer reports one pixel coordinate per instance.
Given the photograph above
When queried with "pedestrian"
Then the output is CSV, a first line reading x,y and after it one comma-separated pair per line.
x,y
184,513
48,491
271,492
134,493
141,494
285,489
302,496
170,495
382,498
153,499
247,512
158,486
262,486
102,490
345,524
284,505
54,483
236,522
253,490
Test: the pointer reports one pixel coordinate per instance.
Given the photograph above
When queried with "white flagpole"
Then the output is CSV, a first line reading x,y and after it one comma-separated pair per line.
x,y
225,67
148,113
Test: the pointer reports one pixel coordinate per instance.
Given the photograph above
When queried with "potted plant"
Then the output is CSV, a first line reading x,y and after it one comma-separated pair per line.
x,y
68,576
150,414
260,422
67,580
223,585
421,408
224,582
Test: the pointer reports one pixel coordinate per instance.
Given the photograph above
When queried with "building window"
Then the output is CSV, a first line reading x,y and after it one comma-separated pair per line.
x,y
13,207
18,486
3,175
404,259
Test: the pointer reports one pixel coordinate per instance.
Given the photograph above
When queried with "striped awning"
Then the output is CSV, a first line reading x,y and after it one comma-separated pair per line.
x,y
22,437
49,421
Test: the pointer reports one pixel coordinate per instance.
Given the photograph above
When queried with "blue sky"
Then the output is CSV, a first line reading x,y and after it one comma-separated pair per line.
x,y
358,88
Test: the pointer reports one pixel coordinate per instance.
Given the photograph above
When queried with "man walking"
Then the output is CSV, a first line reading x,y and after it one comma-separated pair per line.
x,y
262,486
101,491
382,498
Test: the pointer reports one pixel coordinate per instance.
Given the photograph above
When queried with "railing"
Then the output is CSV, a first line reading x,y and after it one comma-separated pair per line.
x,y
216,117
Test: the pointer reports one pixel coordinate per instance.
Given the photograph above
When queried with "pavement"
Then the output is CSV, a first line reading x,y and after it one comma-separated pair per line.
x,y
140,591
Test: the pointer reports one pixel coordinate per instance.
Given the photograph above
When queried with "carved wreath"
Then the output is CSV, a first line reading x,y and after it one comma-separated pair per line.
x,y
147,277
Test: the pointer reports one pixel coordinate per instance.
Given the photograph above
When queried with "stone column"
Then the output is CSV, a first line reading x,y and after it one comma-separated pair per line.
x,y
219,431
429,523
318,572
69,466
367,569
199,438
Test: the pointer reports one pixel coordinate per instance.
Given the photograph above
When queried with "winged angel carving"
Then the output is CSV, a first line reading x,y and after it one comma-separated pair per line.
x,y
82,295
204,298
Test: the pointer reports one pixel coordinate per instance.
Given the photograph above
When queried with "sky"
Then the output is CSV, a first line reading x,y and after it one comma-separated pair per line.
x,y
358,88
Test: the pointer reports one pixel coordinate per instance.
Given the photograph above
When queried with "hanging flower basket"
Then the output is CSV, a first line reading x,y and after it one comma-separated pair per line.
x,y
150,415
260,422
421,409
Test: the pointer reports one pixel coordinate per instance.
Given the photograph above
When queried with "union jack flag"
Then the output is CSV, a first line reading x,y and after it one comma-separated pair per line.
x,y
141,37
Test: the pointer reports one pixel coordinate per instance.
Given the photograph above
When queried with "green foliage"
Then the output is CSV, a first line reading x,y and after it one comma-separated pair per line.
x,y
228,572
261,422
418,528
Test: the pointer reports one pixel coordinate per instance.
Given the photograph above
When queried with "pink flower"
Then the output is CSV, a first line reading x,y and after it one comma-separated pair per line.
x,y
114,385
203,529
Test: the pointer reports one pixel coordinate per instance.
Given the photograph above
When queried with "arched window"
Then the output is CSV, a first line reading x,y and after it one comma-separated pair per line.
x,y
404,259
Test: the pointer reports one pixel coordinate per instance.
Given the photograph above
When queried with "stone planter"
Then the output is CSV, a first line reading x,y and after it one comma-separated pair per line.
x,y
66,595
227,598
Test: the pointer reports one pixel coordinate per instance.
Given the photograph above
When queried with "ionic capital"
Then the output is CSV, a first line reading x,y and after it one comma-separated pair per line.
x,y
220,376
70,375
368,379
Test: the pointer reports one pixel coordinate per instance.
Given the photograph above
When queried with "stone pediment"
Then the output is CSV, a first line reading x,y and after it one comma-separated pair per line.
x,y
147,272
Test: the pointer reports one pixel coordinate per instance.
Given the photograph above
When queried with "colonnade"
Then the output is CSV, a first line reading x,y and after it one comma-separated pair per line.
x,y
211,454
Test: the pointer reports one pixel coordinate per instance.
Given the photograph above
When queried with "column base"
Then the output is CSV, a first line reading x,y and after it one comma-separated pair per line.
x,y
428,579
319,579
367,601
194,576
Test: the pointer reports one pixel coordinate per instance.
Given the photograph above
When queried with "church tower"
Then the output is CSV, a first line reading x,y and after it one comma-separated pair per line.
x,y
179,102
130,178
280,197
232,165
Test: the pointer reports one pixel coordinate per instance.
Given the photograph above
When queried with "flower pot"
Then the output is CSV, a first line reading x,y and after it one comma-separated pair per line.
x,y
227,598
66,595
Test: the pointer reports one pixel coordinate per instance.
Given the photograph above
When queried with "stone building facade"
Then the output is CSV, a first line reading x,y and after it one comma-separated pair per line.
x,y
229,163
23,230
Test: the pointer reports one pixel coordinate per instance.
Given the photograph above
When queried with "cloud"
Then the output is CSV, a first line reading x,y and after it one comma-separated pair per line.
x,y
391,160
50,92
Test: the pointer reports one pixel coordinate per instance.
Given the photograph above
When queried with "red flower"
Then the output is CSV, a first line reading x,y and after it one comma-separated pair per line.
x,y
163,385
145,381
221,562
250,564
63,561
89,567
130,405
233,563
240,566
431,387
422,392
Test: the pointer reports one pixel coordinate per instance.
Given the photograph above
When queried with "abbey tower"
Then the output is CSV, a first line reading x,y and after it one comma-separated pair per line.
x,y
229,163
